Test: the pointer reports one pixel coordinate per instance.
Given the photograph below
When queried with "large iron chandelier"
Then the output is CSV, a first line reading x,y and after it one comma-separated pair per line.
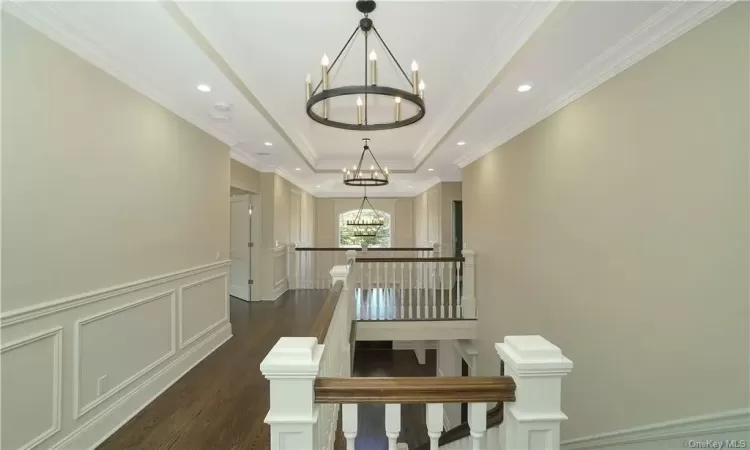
x,y
323,92
359,175
366,225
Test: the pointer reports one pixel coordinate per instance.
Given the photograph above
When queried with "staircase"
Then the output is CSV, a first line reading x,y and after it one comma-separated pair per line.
x,y
311,387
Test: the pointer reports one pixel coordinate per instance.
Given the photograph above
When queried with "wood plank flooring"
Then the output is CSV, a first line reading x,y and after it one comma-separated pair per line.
x,y
221,403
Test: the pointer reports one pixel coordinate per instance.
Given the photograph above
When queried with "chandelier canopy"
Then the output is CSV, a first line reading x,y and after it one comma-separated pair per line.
x,y
370,88
367,222
359,175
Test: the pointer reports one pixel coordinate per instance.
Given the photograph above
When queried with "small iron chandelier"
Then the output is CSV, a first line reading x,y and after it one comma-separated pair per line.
x,y
370,87
364,226
360,176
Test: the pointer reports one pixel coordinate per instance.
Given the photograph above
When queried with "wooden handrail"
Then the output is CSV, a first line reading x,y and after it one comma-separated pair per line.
x,y
365,259
462,430
359,249
415,390
323,321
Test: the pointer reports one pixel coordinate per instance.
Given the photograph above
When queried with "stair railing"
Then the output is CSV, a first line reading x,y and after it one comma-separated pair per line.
x,y
530,396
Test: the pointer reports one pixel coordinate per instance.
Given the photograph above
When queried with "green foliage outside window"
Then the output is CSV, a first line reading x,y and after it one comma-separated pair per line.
x,y
347,232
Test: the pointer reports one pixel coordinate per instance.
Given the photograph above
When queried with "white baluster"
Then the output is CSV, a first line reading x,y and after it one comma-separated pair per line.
x,y
386,299
434,289
478,425
450,289
349,423
369,290
419,290
459,281
434,421
411,288
394,297
442,289
403,299
392,424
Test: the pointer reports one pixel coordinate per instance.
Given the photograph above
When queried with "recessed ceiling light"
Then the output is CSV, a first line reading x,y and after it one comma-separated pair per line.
x,y
430,170
460,143
204,88
268,144
524,88
317,186
297,168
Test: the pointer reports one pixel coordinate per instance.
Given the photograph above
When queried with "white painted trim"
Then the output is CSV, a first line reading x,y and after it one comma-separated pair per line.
x,y
181,291
56,334
181,365
79,410
691,427
608,64
43,309
416,330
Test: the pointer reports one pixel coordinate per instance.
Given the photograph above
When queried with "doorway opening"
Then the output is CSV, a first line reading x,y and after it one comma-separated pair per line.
x,y
240,244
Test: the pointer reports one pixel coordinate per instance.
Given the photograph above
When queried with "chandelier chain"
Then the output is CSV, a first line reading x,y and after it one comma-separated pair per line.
x,y
380,38
348,41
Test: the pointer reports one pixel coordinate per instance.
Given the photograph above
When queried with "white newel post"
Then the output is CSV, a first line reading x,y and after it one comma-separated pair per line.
x,y
291,273
291,367
342,273
351,255
537,366
468,300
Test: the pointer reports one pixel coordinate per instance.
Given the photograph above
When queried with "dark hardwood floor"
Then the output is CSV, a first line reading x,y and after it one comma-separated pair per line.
x,y
371,418
221,402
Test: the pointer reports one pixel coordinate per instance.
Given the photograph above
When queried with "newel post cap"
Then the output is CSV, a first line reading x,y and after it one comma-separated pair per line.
x,y
466,252
292,357
533,355
339,272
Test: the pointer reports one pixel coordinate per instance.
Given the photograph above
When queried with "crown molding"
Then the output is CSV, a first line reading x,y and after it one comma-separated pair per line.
x,y
82,44
520,32
622,55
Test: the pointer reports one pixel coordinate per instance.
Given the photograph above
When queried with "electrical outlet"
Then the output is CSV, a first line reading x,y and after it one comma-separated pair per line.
x,y
101,385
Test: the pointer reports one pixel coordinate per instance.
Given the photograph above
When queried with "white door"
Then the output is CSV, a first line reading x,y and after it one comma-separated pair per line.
x,y
239,247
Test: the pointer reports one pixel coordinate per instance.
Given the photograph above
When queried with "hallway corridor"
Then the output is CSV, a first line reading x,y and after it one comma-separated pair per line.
x,y
221,402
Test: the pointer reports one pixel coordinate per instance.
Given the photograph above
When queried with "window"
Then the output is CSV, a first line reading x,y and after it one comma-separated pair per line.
x,y
347,232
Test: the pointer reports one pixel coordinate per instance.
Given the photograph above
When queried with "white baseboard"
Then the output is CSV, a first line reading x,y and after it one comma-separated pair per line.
x,y
275,294
104,424
689,432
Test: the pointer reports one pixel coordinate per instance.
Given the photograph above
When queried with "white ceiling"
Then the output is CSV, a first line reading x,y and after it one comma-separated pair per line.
x,y
255,56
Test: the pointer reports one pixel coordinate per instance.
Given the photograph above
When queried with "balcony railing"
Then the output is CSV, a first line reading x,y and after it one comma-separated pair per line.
x,y
402,287
310,383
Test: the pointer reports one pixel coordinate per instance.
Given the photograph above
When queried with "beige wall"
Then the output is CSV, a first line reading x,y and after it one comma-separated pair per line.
x,y
115,232
244,177
433,215
618,229
96,174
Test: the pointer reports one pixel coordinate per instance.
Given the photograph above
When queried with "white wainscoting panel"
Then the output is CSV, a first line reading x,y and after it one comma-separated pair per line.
x,y
121,344
31,389
75,369
203,306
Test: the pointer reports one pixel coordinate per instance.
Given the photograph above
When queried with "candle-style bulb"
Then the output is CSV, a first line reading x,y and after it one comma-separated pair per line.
x,y
373,56
421,85
372,167
324,60
414,66
308,79
359,101
344,170
398,100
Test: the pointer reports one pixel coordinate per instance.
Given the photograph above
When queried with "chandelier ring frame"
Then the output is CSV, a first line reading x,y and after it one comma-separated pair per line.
x,y
342,91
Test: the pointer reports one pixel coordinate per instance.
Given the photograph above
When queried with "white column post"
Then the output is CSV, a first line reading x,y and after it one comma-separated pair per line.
x,y
291,367
468,300
435,249
351,255
537,366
